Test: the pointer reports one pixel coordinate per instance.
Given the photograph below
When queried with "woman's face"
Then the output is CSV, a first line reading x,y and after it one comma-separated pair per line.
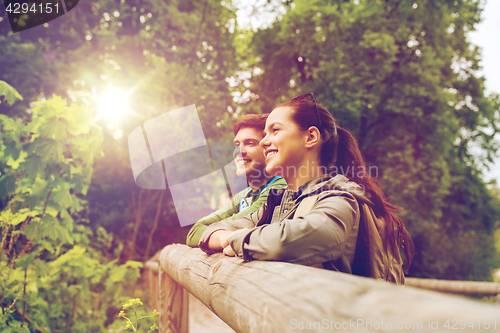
x,y
284,143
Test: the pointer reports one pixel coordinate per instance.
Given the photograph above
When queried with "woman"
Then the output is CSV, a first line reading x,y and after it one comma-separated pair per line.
x,y
326,219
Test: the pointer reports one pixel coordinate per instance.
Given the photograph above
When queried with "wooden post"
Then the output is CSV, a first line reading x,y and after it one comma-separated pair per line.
x,y
150,275
174,305
263,296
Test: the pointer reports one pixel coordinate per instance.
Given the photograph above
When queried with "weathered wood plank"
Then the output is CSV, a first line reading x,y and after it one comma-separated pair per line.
x,y
273,297
459,287
201,319
150,274
174,306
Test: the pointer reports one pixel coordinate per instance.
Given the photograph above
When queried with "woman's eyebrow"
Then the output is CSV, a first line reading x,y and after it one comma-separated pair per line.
x,y
275,123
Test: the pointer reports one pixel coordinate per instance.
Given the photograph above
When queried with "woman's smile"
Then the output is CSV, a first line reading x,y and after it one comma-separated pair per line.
x,y
270,153
283,144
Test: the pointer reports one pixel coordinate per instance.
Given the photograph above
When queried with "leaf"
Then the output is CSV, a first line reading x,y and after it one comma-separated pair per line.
x,y
10,94
48,150
46,245
80,124
7,186
117,275
15,327
133,264
51,211
18,217
12,151
76,252
67,236
55,129
14,164
32,166
39,187
62,196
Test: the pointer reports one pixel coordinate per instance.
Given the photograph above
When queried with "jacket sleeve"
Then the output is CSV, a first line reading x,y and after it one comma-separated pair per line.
x,y
317,237
249,221
230,212
225,212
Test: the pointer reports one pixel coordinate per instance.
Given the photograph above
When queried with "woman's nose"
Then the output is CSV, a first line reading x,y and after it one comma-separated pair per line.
x,y
264,142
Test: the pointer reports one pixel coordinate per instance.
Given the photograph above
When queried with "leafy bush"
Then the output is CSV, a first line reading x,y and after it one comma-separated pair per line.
x,y
55,272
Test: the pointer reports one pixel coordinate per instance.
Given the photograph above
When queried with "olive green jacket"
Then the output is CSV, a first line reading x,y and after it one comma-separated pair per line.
x,y
231,211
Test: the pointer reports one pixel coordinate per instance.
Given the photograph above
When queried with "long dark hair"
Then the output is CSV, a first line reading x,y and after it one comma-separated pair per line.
x,y
340,152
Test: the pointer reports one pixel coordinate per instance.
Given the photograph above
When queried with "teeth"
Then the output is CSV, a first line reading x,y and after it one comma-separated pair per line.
x,y
270,154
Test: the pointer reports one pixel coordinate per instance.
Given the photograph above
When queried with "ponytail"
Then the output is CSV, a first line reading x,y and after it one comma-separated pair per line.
x,y
340,153
349,158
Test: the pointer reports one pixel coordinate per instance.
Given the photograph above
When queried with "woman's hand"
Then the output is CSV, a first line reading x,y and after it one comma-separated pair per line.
x,y
224,241
218,240
228,251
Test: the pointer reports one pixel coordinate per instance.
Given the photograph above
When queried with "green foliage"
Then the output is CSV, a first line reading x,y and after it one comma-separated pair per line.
x,y
169,54
51,276
9,93
166,55
132,306
400,76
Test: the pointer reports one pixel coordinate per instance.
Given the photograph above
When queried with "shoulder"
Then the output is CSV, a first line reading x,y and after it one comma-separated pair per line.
x,y
341,186
338,201
276,185
279,183
335,194
241,194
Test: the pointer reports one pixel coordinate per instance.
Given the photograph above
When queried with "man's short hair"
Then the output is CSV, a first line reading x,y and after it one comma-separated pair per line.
x,y
257,121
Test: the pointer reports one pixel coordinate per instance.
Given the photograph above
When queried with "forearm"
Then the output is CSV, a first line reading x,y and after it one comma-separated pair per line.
x,y
317,237
194,235
248,222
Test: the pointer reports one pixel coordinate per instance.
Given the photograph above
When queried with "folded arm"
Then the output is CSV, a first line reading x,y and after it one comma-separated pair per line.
x,y
317,237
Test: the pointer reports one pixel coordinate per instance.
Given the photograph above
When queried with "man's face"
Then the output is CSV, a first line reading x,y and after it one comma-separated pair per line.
x,y
251,160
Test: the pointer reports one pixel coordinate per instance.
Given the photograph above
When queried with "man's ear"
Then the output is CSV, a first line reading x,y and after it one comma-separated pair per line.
x,y
313,137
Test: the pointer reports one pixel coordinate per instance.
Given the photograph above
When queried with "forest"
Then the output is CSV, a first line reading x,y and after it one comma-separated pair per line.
x,y
76,228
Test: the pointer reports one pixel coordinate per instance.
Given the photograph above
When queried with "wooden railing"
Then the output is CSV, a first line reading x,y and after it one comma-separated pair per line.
x,y
457,287
261,296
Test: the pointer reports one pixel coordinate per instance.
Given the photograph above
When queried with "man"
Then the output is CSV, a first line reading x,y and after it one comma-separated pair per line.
x,y
250,162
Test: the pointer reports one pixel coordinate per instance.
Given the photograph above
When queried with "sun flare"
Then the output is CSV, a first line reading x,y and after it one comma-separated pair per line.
x,y
113,105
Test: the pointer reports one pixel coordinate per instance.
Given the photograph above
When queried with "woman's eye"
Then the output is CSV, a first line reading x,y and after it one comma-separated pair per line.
x,y
275,130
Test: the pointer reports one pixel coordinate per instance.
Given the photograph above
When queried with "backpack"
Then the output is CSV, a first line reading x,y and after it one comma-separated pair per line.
x,y
371,258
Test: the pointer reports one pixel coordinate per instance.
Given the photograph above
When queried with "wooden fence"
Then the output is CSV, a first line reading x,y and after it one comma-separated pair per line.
x,y
261,296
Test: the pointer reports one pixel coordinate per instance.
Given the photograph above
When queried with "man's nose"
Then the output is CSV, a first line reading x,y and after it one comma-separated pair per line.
x,y
238,151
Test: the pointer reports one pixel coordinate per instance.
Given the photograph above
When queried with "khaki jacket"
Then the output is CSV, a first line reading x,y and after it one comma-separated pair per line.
x,y
325,235
336,228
